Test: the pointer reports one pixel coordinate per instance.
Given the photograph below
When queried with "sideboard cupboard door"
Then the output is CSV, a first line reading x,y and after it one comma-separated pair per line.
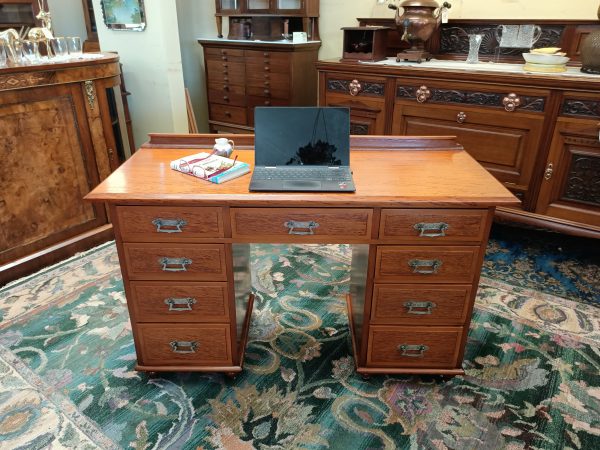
x,y
48,162
570,188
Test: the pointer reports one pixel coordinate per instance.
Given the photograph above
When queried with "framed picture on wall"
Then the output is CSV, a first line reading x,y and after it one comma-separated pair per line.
x,y
124,14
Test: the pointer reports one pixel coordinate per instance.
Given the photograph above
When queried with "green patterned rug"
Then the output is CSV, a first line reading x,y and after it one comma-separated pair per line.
x,y
532,369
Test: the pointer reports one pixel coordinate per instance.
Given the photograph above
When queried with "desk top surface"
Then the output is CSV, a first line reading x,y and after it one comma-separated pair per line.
x,y
383,178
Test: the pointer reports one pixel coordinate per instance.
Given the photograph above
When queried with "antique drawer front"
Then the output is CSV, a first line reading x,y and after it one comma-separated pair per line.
x,y
154,301
426,264
308,224
271,91
505,97
168,223
227,113
506,145
414,304
356,86
226,72
259,56
276,65
227,94
184,344
426,347
432,225
192,262
254,101
268,80
220,53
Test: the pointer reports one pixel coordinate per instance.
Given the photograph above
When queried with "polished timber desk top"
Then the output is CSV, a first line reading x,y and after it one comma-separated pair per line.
x,y
437,177
418,222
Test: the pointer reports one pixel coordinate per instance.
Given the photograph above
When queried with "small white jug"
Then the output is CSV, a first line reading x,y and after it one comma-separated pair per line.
x,y
223,147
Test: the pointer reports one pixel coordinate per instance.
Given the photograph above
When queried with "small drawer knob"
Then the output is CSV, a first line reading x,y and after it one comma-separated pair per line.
x,y
461,117
267,102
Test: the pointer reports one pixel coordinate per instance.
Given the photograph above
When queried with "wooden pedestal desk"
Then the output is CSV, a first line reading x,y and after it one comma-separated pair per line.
x,y
418,223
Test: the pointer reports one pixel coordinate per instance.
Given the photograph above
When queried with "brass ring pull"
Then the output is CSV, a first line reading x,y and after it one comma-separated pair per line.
x,y
354,87
180,304
183,346
423,94
413,351
169,225
461,117
310,226
511,102
174,264
419,308
425,266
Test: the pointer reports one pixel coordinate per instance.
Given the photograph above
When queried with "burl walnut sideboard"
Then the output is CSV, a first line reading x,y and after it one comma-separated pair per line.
x,y
418,224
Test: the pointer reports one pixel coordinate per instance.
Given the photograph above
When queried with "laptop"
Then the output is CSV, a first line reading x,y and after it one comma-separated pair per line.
x,y
302,149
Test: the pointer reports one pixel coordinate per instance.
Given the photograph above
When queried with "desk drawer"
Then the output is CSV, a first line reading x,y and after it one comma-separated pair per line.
x,y
155,301
168,223
433,225
414,304
423,347
303,224
426,264
184,344
191,262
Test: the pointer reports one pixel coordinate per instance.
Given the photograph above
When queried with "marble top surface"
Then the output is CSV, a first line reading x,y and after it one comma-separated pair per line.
x,y
479,67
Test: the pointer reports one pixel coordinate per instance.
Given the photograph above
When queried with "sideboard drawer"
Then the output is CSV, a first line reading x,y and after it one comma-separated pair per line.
x,y
414,304
426,347
191,262
227,94
426,264
306,222
184,344
429,225
166,223
223,54
155,301
226,72
227,113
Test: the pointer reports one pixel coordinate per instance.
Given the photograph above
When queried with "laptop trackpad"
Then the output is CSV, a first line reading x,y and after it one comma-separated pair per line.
x,y
302,184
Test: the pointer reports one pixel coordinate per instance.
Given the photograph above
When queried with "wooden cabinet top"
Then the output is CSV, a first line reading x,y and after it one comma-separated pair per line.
x,y
445,176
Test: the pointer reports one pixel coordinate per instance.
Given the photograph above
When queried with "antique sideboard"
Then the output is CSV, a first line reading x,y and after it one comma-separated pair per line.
x,y
418,224
64,130
536,133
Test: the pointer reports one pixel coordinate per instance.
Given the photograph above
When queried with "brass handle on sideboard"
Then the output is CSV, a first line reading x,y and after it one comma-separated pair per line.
x,y
354,87
511,102
425,266
549,171
183,346
180,304
169,225
435,229
461,117
292,225
423,94
412,351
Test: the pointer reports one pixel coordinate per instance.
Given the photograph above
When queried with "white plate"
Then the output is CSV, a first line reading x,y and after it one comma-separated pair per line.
x,y
541,58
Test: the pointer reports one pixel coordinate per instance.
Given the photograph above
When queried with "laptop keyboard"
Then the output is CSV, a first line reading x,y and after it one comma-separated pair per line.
x,y
302,173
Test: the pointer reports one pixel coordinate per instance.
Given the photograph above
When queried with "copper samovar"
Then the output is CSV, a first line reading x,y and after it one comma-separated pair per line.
x,y
416,24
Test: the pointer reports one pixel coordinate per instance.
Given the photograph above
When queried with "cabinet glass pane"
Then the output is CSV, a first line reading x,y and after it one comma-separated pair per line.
x,y
16,13
229,4
258,4
289,4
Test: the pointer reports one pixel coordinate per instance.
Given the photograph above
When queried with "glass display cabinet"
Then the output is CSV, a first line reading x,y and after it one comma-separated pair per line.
x,y
18,13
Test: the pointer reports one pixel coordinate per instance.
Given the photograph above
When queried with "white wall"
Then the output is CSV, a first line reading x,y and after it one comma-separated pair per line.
x,y
152,69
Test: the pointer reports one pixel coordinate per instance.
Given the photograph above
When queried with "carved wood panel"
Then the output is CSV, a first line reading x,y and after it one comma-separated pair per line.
x,y
367,87
580,107
582,182
44,173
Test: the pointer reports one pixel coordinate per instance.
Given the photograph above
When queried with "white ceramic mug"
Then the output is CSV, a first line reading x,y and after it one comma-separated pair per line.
x,y
223,147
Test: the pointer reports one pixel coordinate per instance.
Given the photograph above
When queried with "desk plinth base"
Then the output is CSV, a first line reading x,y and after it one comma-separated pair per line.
x,y
367,371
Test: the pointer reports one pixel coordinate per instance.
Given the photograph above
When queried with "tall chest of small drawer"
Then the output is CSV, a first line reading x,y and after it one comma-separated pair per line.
x,y
426,270
176,279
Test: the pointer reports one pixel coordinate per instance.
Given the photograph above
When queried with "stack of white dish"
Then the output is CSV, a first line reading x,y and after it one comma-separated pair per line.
x,y
549,59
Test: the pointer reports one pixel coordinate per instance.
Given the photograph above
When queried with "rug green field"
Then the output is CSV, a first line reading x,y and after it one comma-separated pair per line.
x,y
532,367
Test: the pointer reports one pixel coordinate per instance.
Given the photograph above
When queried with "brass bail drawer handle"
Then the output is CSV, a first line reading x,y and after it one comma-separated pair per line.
x,y
436,229
419,308
413,351
425,266
511,102
169,225
179,263
354,88
310,226
180,304
183,346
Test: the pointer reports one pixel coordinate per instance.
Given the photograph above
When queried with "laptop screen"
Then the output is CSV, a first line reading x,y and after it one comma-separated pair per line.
x,y
290,136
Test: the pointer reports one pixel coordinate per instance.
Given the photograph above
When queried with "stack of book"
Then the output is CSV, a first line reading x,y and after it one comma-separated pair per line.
x,y
211,167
